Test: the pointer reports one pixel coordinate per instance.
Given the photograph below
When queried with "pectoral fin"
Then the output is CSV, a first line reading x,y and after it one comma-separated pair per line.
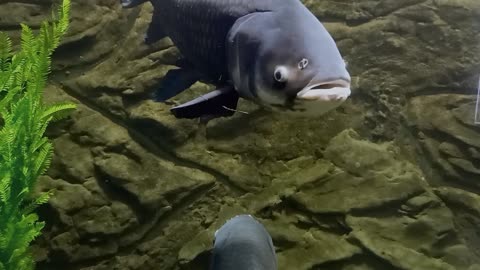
x,y
219,103
175,82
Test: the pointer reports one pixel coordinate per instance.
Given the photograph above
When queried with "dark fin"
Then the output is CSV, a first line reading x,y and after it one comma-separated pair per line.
x,y
183,63
219,103
132,3
154,31
175,82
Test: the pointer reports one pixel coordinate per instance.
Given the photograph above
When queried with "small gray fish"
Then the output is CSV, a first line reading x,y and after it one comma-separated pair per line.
x,y
273,52
243,243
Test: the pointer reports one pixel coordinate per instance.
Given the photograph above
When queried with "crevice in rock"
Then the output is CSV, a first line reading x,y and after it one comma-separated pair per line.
x,y
466,222
330,18
66,73
56,258
425,160
386,209
201,262
122,150
467,225
118,193
366,258
150,232
463,182
67,50
30,2
58,262
127,241
327,222
75,48
47,213
176,211
406,5
162,152
234,127
16,27
441,90
445,239
156,148
151,128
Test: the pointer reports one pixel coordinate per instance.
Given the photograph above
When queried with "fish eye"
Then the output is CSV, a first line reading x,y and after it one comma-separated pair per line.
x,y
281,74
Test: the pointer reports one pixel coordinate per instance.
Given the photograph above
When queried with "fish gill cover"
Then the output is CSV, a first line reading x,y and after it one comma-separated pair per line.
x,y
25,152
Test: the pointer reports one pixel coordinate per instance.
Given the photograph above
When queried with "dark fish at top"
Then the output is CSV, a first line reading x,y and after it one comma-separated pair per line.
x,y
242,243
273,52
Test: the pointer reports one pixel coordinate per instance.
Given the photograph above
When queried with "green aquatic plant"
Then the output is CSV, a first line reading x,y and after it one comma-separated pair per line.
x,y
25,152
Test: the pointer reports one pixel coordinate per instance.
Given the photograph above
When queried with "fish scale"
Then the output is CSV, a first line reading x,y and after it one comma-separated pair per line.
x,y
205,45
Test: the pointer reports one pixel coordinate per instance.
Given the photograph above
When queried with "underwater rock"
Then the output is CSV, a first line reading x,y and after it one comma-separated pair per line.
x,y
147,179
12,14
448,134
424,229
317,249
320,246
399,49
203,241
134,188
92,34
399,256
106,201
76,170
254,149
310,248
468,201
107,85
161,245
93,31
466,209
251,203
371,176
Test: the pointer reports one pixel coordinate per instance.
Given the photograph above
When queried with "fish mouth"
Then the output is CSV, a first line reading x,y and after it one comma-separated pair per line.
x,y
334,90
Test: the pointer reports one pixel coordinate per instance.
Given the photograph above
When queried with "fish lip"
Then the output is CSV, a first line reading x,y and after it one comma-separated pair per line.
x,y
331,90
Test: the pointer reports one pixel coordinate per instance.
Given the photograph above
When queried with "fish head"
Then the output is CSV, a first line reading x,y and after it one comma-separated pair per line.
x,y
300,77
294,67
243,243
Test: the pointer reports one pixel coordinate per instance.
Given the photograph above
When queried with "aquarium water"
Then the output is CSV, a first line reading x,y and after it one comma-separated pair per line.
x,y
239,134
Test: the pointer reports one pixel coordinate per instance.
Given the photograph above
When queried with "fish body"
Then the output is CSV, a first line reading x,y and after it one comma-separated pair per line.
x,y
273,52
243,243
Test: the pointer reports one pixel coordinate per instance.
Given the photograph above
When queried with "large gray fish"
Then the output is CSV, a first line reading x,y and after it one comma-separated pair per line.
x,y
243,243
273,52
